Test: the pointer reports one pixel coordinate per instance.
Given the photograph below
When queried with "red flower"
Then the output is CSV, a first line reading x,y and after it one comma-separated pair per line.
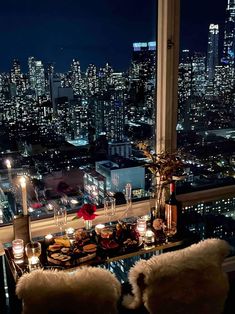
x,y
87,212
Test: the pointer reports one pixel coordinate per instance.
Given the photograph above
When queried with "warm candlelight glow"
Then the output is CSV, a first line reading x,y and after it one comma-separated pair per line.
x,y
8,164
24,195
141,226
18,248
149,236
48,237
23,182
98,228
70,231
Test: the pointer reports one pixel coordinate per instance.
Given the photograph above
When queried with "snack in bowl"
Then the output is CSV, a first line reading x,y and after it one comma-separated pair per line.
x,y
90,248
106,233
108,244
62,242
55,247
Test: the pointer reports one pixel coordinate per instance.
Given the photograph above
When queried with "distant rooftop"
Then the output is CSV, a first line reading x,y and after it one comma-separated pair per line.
x,y
78,142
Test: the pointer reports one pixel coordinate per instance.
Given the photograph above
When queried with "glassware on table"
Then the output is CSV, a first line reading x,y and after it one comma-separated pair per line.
x,y
18,248
33,250
128,195
60,217
141,226
169,229
109,207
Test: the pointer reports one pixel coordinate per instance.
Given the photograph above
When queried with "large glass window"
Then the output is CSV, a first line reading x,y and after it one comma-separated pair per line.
x,y
206,103
77,92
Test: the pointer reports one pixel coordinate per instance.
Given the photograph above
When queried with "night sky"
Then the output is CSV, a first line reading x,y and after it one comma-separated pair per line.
x,y
94,31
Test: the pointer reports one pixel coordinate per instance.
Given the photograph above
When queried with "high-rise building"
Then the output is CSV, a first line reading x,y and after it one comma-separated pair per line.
x,y
143,60
16,77
184,88
37,76
198,74
212,51
91,80
76,78
229,34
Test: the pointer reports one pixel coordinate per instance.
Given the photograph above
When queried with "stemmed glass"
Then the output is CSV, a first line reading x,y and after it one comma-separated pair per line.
x,y
169,230
109,207
60,217
128,195
33,250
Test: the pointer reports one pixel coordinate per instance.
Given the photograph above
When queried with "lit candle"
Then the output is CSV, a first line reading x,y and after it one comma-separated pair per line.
x,y
24,195
141,226
149,237
34,263
98,228
49,239
33,260
18,248
8,164
70,232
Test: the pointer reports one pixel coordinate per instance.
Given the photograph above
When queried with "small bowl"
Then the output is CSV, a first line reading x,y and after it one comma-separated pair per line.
x,y
106,233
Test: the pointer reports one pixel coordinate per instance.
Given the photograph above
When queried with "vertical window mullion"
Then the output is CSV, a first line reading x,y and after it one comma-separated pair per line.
x,y
167,74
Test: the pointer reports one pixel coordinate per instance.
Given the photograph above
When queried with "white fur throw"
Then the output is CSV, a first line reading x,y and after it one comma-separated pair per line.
x,y
87,291
187,281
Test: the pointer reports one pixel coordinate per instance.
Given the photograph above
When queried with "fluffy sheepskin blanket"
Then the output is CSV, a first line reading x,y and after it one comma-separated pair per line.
x,y
187,281
86,291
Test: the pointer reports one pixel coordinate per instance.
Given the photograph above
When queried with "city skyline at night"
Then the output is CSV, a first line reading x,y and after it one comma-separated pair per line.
x,y
58,32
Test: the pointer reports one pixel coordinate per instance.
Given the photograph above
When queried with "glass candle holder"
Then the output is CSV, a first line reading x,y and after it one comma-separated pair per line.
x,y
34,263
18,248
141,226
149,237
49,239
70,232
98,228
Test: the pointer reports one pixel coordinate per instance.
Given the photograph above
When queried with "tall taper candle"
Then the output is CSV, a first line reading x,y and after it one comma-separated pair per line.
x,y
24,195
8,164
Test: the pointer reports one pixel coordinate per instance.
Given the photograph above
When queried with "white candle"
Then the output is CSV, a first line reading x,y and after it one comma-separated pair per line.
x,y
8,164
98,228
141,226
33,260
24,195
18,248
48,239
149,236
70,232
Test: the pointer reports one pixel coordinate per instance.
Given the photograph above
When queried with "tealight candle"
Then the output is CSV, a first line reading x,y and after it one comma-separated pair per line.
x,y
70,232
18,248
149,237
141,226
98,228
34,263
146,217
49,239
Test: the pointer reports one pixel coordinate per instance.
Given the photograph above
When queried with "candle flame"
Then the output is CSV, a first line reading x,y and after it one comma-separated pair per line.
x,y
23,182
8,163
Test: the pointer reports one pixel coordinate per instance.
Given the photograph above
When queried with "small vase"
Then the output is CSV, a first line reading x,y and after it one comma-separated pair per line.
x,y
88,224
158,195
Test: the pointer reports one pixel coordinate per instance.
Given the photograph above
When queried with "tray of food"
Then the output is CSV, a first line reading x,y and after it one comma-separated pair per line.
x,y
66,254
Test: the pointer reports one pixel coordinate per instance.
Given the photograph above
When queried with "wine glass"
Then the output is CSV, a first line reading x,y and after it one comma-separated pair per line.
x,y
33,250
109,207
60,217
169,230
128,195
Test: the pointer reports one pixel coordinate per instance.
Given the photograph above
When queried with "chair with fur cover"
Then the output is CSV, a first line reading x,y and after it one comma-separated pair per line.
x,y
190,280
88,290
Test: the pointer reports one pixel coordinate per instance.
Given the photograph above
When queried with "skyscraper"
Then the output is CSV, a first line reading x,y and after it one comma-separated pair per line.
x,y
212,52
229,34
76,78
37,76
